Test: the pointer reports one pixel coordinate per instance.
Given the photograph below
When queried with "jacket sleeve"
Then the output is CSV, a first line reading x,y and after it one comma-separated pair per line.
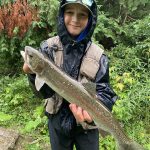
x,y
104,92
45,91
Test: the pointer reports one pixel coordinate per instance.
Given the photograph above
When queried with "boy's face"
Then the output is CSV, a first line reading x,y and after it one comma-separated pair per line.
x,y
75,18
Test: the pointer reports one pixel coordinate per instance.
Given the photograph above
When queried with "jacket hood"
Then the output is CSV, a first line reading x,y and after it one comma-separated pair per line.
x,y
63,33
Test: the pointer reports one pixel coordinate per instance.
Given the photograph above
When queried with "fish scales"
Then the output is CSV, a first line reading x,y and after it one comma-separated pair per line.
x,y
79,98
47,72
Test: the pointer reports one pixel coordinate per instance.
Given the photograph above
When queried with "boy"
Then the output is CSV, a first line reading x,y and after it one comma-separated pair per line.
x,y
81,59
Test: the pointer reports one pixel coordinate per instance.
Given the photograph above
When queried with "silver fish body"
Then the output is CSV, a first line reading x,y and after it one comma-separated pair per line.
x,y
74,92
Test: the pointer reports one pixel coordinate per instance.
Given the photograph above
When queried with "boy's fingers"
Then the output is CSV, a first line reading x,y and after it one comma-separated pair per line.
x,y
86,116
73,107
77,112
80,114
26,68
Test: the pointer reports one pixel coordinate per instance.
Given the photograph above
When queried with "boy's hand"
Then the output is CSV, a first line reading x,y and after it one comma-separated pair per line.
x,y
26,69
80,114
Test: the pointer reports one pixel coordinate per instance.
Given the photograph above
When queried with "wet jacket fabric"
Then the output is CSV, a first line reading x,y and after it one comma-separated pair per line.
x,y
73,53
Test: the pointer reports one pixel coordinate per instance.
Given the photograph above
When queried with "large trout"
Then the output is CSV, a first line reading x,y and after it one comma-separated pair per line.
x,y
74,92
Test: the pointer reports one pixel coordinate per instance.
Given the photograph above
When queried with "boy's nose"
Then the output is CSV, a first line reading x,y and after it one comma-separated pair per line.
x,y
75,18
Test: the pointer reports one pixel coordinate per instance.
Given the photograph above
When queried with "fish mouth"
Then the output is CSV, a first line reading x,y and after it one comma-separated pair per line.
x,y
28,52
29,57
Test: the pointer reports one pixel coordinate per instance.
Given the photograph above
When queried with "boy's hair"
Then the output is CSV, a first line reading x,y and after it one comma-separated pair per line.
x,y
86,3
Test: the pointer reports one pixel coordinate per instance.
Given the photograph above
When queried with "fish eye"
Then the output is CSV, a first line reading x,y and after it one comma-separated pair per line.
x,y
30,56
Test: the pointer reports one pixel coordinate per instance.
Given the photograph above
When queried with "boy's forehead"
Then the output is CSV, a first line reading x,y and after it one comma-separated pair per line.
x,y
74,6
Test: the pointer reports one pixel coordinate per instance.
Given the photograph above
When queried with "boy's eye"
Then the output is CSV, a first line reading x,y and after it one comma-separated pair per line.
x,y
68,12
83,15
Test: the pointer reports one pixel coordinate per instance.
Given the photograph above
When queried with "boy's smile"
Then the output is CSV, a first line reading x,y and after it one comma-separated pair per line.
x,y
75,18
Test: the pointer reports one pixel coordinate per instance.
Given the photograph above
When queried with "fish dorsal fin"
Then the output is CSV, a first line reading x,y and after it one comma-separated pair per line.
x,y
39,82
90,87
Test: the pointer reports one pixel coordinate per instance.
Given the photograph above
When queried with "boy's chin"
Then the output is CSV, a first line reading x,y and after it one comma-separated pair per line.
x,y
74,34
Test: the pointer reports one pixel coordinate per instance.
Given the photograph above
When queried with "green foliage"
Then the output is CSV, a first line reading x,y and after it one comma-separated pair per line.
x,y
107,143
40,30
107,27
47,12
14,91
32,125
133,105
125,10
5,117
14,94
124,24
2,2
132,5
20,108
33,147
37,120
137,31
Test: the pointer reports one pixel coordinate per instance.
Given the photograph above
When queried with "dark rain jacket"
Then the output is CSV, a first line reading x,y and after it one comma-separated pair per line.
x,y
73,53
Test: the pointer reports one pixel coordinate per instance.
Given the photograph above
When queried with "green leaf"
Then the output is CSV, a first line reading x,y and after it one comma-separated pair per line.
x,y
5,117
38,111
16,30
32,125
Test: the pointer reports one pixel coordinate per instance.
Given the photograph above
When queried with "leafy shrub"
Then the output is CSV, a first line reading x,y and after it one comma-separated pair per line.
x,y
107,27
20,106
117,30
13,39
125,10
133,104
14,91
19,17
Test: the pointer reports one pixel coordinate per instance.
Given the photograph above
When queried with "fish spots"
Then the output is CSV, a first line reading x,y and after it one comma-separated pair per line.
x,y
67,84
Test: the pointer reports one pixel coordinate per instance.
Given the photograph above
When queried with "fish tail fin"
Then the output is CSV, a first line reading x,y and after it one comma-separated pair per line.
x,y
130,146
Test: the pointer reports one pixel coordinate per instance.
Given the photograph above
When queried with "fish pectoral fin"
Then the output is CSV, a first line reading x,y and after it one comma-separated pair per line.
x,y
39,82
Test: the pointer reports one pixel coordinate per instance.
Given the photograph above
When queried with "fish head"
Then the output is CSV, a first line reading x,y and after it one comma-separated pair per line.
x,y
34,59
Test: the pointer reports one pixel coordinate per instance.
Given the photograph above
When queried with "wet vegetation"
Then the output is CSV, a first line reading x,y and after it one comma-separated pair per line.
x,y
123,29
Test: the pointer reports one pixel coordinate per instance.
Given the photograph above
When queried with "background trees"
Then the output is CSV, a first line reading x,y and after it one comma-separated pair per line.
x,y
123,29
